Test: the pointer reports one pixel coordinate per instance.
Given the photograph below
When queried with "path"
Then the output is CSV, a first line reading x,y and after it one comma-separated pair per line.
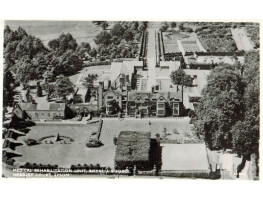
x,y
151,58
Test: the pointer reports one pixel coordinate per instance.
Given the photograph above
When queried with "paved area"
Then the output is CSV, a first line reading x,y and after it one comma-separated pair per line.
x,y
151,58
241,39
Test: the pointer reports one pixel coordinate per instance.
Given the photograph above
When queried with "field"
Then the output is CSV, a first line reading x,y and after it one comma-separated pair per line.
x,y
82,31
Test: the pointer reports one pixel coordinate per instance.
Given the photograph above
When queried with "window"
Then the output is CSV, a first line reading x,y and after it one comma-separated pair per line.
x,y
161,112
48,114
54,114
36,114
42,114
161,106
109,97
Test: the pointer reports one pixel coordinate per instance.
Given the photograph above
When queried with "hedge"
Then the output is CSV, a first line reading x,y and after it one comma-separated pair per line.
x,y
133,148
186,174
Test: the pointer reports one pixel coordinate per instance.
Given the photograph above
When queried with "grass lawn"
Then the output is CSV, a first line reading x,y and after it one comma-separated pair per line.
x,y
77,152
78,78
184,157
65,154
112,127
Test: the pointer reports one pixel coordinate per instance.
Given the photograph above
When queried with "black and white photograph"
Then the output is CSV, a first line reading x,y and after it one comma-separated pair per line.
x,y
131,99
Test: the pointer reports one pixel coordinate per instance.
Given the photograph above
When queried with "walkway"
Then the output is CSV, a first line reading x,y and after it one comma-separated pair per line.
x,y
151,58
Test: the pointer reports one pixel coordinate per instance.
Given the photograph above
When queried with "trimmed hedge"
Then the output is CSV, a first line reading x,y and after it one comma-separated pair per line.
x,y
133,148
186,174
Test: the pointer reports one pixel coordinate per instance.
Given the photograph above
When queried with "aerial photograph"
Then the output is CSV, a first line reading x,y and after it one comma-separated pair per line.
x,y
131,100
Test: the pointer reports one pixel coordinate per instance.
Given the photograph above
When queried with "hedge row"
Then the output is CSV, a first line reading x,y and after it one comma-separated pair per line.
x,y
39,166
88,167
186,174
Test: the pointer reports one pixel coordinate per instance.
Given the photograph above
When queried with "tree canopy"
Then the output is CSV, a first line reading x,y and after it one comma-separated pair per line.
x,y
63,86
220,107
179,77
89,80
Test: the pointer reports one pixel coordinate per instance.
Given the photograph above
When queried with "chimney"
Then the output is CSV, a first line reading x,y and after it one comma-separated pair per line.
x,y
127,78
100,94
109,84
121,87
128,87
152,89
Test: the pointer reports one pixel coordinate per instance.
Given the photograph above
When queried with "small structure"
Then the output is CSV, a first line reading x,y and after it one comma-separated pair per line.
x,y
58,138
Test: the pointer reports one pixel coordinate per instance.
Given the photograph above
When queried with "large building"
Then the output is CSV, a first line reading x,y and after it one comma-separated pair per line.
x,y
44,111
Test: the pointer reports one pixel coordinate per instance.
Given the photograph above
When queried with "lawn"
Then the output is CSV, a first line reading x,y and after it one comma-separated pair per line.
x,y
112,127
65,154
184,157
78,78
77,153
82,31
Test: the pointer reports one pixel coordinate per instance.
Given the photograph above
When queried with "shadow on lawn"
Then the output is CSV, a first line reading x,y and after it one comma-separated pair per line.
x,y
155,154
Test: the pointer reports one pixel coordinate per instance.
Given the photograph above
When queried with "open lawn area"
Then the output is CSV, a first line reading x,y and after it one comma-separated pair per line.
x,y
76,152
184,157
112,127
77,79
65,154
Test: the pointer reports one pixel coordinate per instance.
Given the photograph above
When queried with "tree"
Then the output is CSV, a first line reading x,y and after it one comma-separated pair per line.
x,y
89,81
117,30
103,38
104,25
246,131
49,89
164,27
62,44
29,46
83,49
63,86
25,70
93,52
39,89
68,63
181,27
128,35
8,88
172,24
179,77
220,107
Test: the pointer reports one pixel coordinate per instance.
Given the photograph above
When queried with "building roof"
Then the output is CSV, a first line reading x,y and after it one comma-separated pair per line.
x,y
42,106
145,95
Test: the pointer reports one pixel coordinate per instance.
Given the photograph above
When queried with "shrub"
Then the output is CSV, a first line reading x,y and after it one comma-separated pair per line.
x,y
31,142
93,142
